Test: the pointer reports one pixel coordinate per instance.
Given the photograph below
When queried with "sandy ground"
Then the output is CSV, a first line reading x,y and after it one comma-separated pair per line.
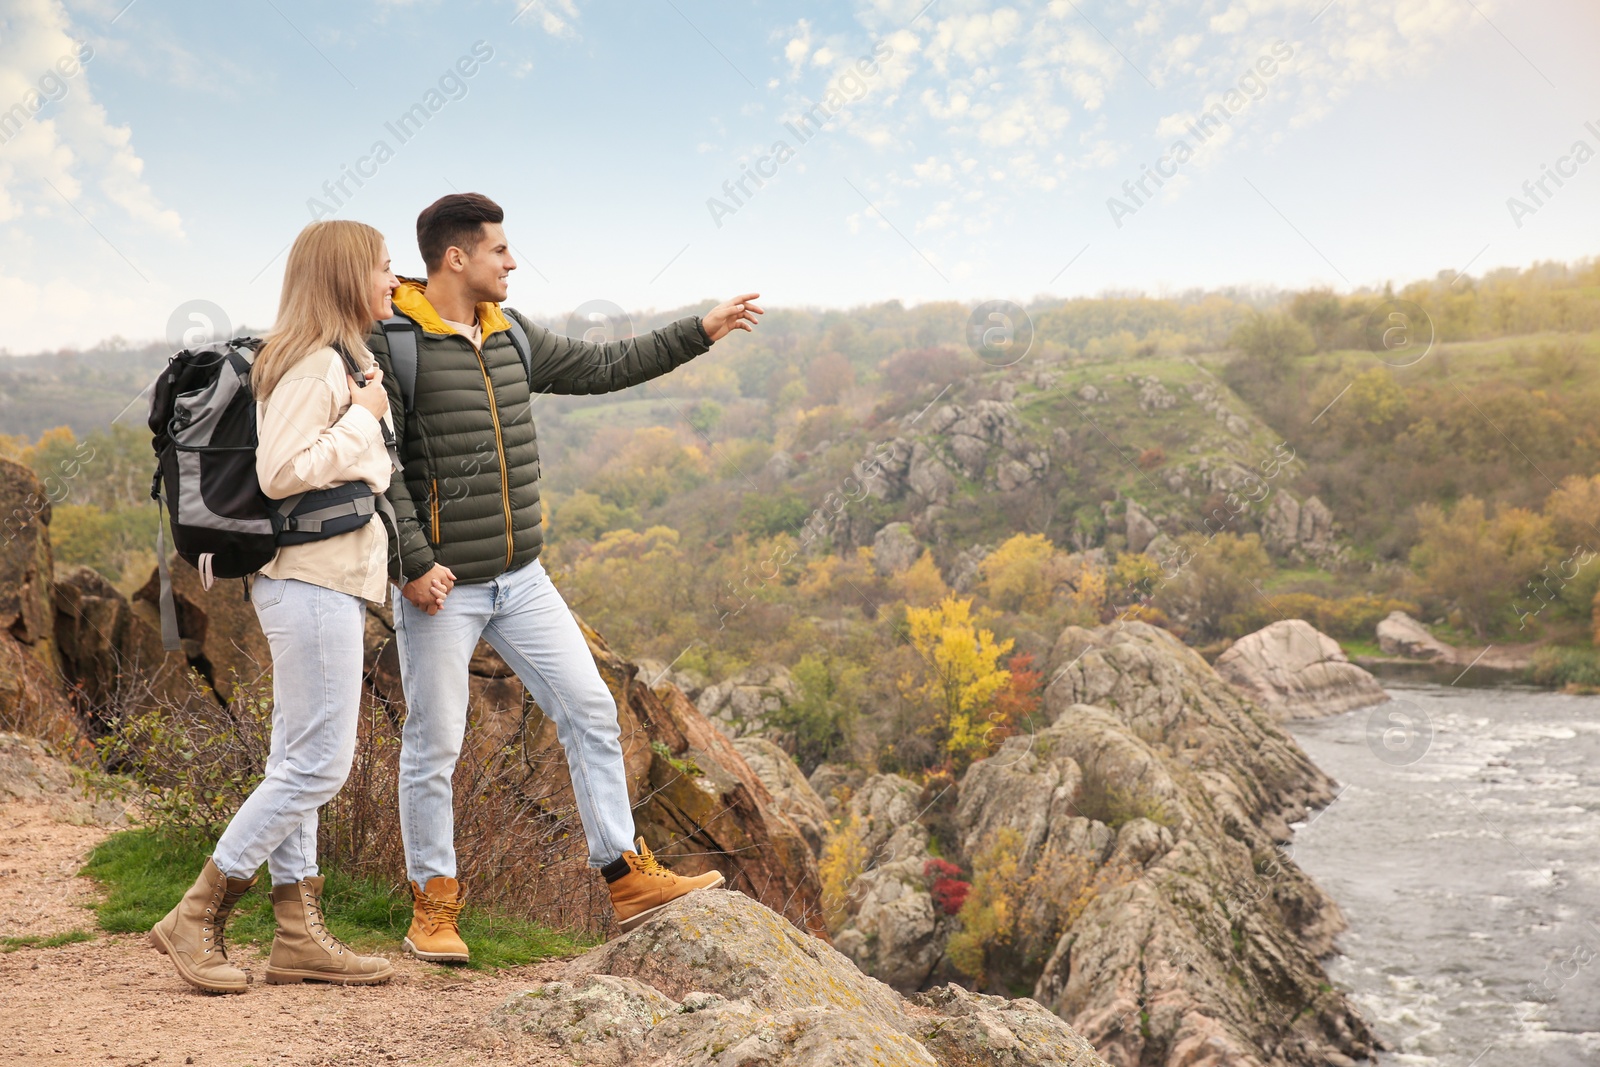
x,y
114,1000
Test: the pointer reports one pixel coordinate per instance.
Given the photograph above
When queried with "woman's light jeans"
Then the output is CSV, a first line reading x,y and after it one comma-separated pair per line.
x,y
522,615
316,636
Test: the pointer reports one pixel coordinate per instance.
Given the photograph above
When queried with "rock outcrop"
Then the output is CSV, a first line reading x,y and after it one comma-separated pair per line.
x,y
31,697
741,704
717,980
696,800
895,549
889,924
1297,672
1401,635
29,772
791,793
1300,530
1154,805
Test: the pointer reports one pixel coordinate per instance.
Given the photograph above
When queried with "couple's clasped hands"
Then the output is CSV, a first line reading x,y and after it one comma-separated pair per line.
x,y
428,590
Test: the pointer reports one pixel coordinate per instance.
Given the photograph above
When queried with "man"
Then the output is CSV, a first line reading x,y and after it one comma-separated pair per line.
x,y
469,541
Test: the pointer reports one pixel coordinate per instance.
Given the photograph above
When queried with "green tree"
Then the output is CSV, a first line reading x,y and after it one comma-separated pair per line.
x,y
1214,582
1271,341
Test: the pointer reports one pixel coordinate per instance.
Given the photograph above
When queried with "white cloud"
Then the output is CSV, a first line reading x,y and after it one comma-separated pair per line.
x,y
555,17
57,135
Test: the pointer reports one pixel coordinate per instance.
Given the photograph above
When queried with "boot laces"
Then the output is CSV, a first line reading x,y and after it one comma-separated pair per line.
x,y
648,864
315,922
438,912
219,926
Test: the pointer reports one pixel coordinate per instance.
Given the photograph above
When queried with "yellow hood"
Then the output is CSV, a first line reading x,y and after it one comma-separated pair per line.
x,y
412,300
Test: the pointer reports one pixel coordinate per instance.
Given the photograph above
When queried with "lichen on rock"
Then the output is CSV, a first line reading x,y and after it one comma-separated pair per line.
x,y
717,979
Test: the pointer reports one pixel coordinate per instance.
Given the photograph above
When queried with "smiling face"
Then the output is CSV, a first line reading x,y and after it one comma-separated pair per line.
x,y
384,283
486,269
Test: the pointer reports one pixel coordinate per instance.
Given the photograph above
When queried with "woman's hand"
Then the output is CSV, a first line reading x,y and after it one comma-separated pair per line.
x,y
374,398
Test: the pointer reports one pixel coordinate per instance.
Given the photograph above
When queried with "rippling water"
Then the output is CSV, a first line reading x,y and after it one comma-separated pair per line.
x,y
1465,851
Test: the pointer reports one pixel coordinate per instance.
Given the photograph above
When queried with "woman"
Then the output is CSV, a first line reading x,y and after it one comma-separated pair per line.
x,y
317,427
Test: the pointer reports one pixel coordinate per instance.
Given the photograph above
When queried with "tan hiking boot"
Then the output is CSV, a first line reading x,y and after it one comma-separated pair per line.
x,y
191,934
435,933
304,950
640,886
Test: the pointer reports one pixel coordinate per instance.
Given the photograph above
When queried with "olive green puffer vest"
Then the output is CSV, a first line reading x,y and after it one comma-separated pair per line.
x,y
469,496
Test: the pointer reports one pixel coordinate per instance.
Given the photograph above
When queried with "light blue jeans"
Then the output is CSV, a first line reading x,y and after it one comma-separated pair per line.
x,y
524,619
316,639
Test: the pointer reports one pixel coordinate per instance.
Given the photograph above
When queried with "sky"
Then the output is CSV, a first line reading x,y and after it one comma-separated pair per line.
x,y
159,156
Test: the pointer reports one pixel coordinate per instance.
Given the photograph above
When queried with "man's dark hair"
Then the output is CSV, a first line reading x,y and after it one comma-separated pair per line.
x,y
454,221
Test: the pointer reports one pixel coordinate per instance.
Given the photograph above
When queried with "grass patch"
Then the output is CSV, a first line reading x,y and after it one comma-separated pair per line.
x,y
1577,669
71,937
145,872
1361,648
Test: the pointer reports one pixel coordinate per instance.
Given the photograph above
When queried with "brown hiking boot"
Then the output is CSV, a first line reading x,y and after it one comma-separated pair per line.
x,y
304,950
191,934
435,933
640,886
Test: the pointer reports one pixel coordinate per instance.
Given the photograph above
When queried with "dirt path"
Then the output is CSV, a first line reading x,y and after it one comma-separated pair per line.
x,y
115,1001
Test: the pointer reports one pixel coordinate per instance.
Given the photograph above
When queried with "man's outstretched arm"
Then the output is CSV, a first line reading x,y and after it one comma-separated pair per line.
x,y
568,365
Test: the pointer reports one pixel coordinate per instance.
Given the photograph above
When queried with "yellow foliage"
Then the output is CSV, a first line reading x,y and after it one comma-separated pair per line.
x,y
1088,587
1022,573
921,584
958,674
844,857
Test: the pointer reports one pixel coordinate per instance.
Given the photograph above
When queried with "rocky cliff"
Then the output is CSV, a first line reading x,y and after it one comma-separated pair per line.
x,y
1137,840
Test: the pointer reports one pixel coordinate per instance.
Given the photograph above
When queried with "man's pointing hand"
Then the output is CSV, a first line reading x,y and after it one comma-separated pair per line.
x,y
736,314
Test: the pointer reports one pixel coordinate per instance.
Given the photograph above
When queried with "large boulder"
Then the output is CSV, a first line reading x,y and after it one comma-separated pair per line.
x,y
697,802
1156,910
1297,672
716,979
1140,529
1299,530
112,654
895,549
221,637
1401,635
790,791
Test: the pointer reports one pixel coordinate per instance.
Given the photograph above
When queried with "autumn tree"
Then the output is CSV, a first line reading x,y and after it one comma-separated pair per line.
x,y
1478,565
1022,573
957,674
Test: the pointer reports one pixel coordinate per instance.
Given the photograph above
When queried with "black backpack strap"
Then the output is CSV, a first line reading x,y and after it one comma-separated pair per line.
x,y
519,340
404,337
170,641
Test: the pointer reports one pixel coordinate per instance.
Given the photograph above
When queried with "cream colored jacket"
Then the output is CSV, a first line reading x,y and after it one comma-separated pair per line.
x,y
310,436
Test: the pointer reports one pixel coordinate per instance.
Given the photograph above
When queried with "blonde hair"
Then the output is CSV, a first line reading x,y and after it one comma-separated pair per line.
x,y
326,299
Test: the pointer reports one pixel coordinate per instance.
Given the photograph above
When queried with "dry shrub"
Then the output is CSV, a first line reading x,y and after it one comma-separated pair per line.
x,y
519,841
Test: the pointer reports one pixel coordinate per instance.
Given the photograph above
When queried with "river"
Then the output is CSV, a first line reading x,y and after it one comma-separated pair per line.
x,y
1464,847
